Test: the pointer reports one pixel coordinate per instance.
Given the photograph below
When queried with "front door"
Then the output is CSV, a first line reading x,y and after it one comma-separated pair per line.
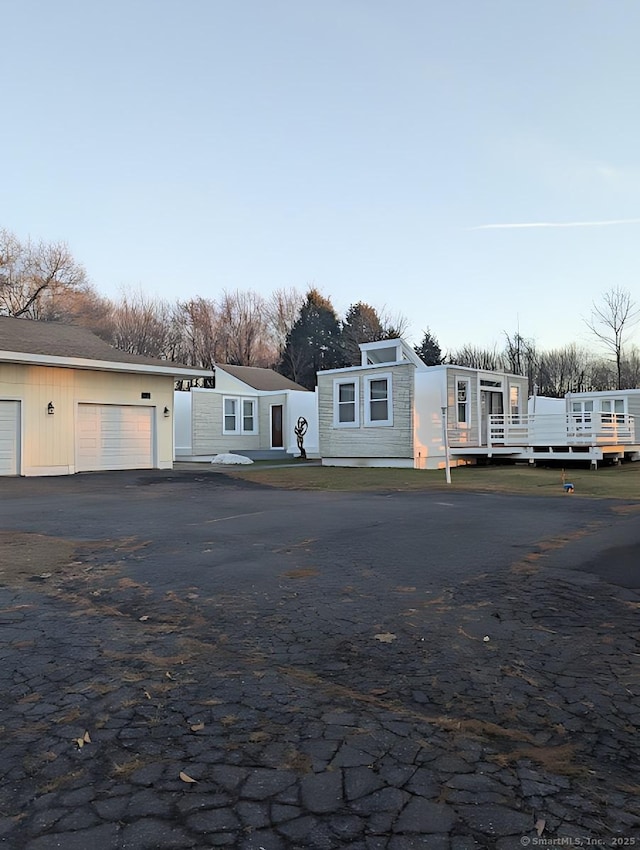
x,y
582,413
490,402
276,427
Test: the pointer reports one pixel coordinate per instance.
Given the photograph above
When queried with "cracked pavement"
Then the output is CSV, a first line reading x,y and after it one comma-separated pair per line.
x,y
191,661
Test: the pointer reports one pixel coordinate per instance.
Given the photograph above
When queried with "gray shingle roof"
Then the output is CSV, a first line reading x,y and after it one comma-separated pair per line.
x,y
53,339
260,379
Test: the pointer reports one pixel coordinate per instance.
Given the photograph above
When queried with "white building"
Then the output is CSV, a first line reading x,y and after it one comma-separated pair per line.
x,y
393,410
251,411
69,402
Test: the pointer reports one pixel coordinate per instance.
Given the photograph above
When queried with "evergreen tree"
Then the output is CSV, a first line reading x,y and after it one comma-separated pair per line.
x,y
429,351
313,343
361,324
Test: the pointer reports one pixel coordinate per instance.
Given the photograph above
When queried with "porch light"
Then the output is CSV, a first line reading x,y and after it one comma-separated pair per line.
x,y
167,412
50,408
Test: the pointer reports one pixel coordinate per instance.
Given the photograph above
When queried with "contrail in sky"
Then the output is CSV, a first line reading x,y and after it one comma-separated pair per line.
x,y
557,224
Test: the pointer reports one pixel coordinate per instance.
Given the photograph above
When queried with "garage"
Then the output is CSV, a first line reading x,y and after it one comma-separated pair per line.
x,y
113,436
70,402
9,437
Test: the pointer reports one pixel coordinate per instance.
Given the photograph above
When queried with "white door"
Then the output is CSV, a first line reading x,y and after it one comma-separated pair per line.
x,y
582,413
9,437
491,401
114,436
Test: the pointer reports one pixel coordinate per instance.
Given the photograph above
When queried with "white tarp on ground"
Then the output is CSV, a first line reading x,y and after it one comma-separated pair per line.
x,y
231,458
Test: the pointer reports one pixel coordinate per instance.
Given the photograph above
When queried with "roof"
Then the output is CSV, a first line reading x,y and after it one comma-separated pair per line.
x,y
56,344
389,351
267,380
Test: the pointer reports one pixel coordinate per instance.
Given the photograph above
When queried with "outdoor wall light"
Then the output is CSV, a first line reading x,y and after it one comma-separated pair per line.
x,y
50,408
167,412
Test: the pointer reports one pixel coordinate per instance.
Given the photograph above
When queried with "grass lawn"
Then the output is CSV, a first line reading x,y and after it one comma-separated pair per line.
x,y
618,482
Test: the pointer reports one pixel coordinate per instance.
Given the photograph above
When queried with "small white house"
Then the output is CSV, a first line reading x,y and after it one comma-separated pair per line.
x,y
69,402
393,410
251,411
589,426
611,405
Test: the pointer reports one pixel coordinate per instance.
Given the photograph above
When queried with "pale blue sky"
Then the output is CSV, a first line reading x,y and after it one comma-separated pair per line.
x,y
188,146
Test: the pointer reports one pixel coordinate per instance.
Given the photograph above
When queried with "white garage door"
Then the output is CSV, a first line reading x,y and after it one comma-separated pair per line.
x,y
9,437
113,436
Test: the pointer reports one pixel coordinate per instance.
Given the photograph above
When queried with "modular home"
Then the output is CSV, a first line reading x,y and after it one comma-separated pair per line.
x,y
251,411
393,410
69,402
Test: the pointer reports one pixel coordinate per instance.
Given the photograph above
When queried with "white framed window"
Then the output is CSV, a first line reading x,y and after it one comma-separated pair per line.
x,y
239,415
230,424
613,410
463,387
248,416
346,411
378,401
514,399
582,409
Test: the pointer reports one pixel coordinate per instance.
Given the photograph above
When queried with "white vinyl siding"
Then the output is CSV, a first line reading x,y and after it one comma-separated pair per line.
x,y
9,437
345,403
112,436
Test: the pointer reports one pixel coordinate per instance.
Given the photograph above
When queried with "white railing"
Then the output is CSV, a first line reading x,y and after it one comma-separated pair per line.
x,y
541,429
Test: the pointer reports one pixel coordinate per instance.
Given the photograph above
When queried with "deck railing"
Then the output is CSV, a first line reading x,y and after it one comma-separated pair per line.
x,y
542,429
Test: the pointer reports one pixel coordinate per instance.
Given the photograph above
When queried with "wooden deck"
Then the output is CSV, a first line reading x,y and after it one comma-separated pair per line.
x,y
532,437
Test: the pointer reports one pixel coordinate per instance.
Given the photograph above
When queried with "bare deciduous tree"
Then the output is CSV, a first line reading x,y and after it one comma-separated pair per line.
x,y
631,368
243,329
563,370
610,322
32,272
144,325
478,358
282,310
82,306
197,322
394,325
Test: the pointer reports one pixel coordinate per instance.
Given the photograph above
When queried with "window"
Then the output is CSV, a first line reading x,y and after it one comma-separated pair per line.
x,y
613,406
462,396
230,416
582,407
248,417
239,416
345,403
582,412
514,400
378,402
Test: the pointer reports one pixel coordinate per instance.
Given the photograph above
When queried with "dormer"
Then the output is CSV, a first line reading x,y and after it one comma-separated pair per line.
x,y
388,351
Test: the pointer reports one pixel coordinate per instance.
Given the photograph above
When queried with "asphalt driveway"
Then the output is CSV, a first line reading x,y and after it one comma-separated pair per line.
x,y
193,661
